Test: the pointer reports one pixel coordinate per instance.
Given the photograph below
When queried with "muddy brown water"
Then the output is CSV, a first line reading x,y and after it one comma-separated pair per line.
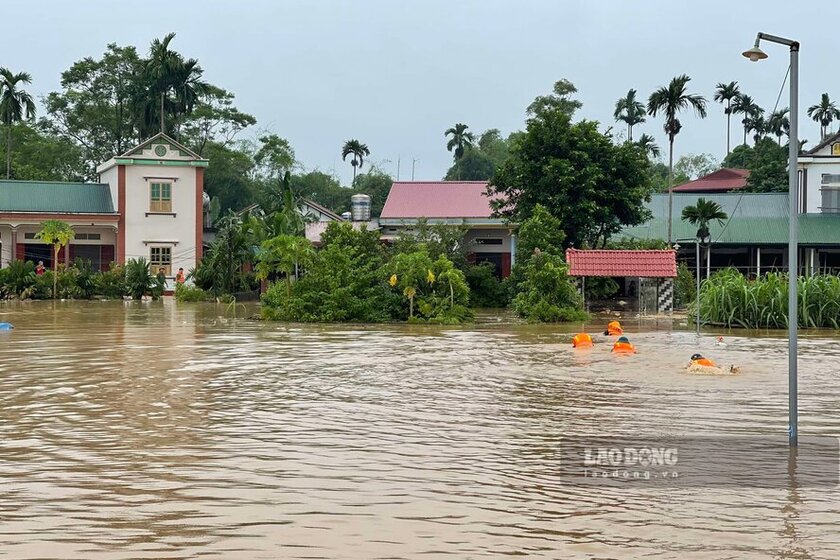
x,y
157,430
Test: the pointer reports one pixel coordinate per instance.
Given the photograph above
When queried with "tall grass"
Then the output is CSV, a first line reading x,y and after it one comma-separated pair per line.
x,y
728,298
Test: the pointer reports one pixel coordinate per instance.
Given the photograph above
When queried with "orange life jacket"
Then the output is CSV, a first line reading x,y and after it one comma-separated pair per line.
x,y
704,362
624,348
614,328
582,340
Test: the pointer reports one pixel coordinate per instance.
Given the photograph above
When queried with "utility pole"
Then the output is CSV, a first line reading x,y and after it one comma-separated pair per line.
x,y
413,161
398,167
161,112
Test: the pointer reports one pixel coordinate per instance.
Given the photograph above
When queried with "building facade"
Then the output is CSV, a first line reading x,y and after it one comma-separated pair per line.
x,y
461,203
148,203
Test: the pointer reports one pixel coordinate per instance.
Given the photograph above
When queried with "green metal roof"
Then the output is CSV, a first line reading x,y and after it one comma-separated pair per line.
x,y
755,219
54,197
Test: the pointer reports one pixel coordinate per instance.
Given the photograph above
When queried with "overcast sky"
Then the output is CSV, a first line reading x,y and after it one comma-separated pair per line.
x,y
396,73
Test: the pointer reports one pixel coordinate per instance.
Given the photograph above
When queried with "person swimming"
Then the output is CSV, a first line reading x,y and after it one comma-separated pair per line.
x,y
613,329
623,346
699,360
582,340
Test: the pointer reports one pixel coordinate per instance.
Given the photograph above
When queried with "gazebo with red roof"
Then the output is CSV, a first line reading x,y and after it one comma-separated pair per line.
x,y
660,265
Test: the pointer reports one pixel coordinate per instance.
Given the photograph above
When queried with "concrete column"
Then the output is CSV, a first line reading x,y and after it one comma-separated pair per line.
x,y
758,262
512,250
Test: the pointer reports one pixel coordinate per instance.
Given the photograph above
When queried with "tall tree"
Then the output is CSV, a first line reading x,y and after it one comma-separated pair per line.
x,y
630,111
359,152
825,112
459,140
560,99
670,100
778,124
700,215
593,186
726,94
58,234
746,106
173,87
16,105
95,108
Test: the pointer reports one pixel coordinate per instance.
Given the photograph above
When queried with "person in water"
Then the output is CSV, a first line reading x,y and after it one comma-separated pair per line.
x,y
582,340
614,329
623,346
699,360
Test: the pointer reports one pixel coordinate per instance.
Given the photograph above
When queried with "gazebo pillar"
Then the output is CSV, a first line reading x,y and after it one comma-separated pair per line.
x,y
665,295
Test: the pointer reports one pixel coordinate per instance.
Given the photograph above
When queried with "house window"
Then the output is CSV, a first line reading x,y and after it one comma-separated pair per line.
x,y
160,257
830,200
830,179
161,197
488,241
89,236
29,235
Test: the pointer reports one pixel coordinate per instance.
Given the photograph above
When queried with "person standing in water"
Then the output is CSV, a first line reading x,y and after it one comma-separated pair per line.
x,y
623,346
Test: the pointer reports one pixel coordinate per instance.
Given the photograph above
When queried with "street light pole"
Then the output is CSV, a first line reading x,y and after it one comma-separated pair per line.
x,y
755,54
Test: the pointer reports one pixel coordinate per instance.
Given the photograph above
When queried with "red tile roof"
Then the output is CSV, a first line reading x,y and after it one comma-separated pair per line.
x,y
722,180
644,264
437,199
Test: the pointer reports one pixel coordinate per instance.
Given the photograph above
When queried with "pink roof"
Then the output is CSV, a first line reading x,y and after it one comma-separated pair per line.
x,y
437,199
722,180
644,264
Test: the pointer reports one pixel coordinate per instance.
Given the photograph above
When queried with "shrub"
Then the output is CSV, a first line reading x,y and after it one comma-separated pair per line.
x,y
110,283
601,287
138,280
185,293
485,289
546,292
685,287
20,278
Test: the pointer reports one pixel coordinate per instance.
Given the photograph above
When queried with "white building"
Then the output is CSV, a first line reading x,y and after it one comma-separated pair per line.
x,y
148,203
819,177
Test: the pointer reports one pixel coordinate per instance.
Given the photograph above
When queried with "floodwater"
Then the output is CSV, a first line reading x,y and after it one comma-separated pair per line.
x,y
158,430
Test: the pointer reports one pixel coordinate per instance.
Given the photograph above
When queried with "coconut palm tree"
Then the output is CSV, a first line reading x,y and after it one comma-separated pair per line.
x,y
359,152
648,145
16,105
670,100
631,111
778,124
58,234
747,107
700,215
725,94
825,112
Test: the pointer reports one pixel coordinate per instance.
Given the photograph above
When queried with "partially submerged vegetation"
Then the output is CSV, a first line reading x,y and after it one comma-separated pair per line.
x,y
728,298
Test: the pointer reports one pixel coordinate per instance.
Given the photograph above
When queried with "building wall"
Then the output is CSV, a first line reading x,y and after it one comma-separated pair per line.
x,y
814,171
177,230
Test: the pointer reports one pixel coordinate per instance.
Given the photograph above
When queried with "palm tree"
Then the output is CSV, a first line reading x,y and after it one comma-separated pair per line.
x,y
758,125
174,86
460,141
700,215
670,100
726,93
747,107
58,234
359,152
778,124
648,146
283,254
825,112
631,111
16,105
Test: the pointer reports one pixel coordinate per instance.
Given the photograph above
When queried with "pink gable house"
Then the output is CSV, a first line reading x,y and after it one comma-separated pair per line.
x,y
456,203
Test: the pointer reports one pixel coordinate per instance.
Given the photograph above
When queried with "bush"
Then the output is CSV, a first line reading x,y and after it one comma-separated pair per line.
x,y
485,289
110,283
185,293
601,287
138,280
85,278
685,287
20,278
546,292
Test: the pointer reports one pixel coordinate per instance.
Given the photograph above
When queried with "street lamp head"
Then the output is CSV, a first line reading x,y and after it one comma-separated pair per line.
x,y
755,54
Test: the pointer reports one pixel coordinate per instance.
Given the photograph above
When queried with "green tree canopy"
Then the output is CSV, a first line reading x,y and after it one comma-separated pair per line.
x,y
559,100
695,165
593,186
767,163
